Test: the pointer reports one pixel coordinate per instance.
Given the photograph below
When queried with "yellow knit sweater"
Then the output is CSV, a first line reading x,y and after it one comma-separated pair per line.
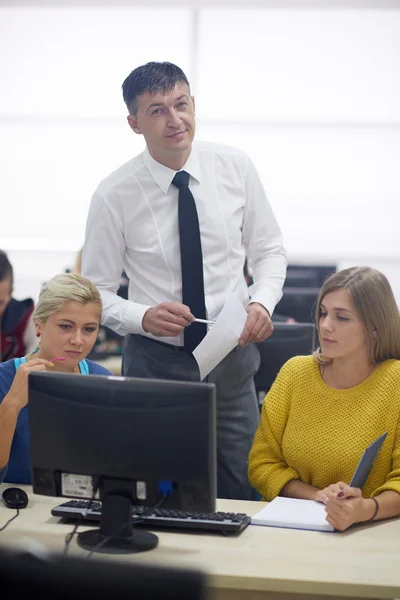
x,y
317,434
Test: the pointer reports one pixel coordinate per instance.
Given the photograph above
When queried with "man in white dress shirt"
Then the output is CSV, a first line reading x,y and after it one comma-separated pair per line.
x,y
132,226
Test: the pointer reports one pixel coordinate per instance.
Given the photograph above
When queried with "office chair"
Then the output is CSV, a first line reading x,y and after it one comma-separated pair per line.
x,y
287,340
26,575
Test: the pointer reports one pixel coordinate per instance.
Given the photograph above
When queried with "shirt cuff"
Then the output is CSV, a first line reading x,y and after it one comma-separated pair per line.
x,y
266,300
133,314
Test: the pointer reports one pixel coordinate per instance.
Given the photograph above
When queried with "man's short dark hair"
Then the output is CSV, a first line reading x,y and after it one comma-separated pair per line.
x,y
153,77
6,270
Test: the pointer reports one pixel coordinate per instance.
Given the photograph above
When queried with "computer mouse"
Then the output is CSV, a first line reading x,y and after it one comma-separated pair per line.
x,y
14,497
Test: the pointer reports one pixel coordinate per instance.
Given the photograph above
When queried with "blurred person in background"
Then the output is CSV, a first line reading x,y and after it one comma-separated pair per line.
x,y
17,331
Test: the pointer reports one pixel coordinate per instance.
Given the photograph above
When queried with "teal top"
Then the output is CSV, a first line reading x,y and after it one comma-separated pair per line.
x,y
83,365
18,469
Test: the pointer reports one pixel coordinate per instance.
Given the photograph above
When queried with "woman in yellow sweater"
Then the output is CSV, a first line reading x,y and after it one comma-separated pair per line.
x,y
324,410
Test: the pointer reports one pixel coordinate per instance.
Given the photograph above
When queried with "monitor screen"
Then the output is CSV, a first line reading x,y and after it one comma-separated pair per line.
x,y
287,340
319,273
298,303
136,441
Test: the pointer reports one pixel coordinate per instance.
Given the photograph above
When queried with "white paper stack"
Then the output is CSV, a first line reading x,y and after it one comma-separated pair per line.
x,y
293,513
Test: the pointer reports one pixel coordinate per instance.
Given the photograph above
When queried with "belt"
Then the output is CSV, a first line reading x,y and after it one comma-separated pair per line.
x,y
171,346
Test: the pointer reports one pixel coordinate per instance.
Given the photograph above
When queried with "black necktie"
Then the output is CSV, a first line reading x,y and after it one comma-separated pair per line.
x,y
191,261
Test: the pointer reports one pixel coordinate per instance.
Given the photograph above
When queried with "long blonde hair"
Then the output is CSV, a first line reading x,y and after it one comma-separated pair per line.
x,y
372,297
65,287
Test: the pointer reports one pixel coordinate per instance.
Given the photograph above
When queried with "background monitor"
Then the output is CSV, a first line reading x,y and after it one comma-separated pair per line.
x,y
287,340
301,278
137,440
308,275
298,303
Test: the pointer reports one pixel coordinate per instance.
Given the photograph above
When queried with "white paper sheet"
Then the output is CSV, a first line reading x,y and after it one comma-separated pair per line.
x,y
222,337
293,513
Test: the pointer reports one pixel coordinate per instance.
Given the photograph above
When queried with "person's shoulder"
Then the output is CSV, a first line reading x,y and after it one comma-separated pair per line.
x,y
96,369
26,303
119,176
300,363
7,367
297,370
220,150
389,372
15,312
7,374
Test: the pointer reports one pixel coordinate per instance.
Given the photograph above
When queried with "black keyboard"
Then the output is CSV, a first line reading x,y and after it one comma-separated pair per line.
x,y
223,522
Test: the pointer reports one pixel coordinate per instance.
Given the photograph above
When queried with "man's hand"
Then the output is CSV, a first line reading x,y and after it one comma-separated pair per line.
x,y
258,325
345,505
168,319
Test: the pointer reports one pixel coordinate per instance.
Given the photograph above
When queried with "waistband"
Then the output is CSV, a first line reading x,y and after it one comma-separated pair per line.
x,y
171,346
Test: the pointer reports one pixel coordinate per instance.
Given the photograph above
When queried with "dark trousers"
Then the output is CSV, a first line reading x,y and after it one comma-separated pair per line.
x,y
237,409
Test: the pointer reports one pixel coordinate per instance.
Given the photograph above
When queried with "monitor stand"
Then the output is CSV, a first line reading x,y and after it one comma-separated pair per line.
x,y
116,534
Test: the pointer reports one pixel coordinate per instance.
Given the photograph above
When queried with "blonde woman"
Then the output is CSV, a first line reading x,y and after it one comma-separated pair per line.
x,y
323,410
66,320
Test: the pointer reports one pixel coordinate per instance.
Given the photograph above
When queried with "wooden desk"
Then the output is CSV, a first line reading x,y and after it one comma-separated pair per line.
x,y
262,563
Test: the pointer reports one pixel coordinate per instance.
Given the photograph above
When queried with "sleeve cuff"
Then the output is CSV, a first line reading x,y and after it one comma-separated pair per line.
x,y
275,484
267,301
133,314
393,486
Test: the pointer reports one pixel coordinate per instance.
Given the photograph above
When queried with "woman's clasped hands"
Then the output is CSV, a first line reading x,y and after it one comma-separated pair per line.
x,y
345,505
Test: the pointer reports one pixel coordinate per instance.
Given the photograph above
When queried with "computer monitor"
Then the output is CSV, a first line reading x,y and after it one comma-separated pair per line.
x,y
287,340
319,273
137,440
298,303
301,277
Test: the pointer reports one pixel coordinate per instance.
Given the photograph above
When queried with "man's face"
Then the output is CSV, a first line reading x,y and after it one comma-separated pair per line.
x,y
167,123
5,295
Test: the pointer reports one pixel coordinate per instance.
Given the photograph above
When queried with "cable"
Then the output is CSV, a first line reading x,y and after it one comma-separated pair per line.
x,y
158,505
9,520
70,535
110,537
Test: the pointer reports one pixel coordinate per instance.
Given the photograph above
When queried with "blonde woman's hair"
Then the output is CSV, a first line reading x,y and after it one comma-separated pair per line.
x,y
63,288
372,297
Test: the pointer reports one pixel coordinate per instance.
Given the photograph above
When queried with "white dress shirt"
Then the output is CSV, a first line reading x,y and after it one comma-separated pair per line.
x,y
132,225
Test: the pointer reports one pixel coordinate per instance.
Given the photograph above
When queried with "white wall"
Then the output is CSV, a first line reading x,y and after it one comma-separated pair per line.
x,y
311,90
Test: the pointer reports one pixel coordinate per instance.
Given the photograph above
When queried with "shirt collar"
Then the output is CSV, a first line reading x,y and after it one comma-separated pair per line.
x,y
163,175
